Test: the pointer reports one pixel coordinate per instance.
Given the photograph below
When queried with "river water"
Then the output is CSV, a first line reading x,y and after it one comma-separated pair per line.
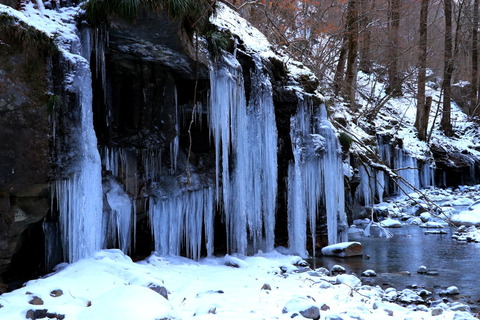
x,y
456,262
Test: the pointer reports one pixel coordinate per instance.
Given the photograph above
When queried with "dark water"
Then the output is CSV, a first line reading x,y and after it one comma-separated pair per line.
x,y
457,263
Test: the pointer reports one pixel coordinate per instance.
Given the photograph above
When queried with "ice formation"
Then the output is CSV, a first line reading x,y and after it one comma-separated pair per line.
x,y
245,138
177,222
79,198
314,177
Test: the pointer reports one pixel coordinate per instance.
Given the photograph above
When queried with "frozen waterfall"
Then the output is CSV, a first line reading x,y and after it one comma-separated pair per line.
x,y
245,138
79,198
315,177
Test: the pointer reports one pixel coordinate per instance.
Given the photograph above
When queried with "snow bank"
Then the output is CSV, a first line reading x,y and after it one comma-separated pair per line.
x,y
111,286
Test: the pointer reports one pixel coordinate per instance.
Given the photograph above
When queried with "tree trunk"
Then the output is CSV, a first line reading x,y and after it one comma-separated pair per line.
x,y
474,82
352,47
446,123
394,82
338,80
365,63
421,121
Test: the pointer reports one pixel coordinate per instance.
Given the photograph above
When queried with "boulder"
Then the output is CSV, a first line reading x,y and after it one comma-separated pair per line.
x,y
422,270
344,249
369,273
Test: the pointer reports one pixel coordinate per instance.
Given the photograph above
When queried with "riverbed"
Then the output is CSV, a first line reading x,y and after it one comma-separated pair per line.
x,y
396,261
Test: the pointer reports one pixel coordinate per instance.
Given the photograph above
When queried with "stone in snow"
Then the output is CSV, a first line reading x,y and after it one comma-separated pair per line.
x,y
408,296
343,249
306,307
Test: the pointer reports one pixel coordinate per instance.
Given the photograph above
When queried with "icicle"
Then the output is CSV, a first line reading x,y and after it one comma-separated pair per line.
x,y
174,145
316,175
334,187
80,197
122,164
152,164
246,139
177,222
53,254
380,184
365,189
407,168
427,174
118,222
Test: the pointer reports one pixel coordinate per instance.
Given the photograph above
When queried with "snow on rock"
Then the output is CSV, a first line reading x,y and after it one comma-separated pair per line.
x,y
343,249
390,223
369,273
467,218
432,224
303,305
462,202
256,42
471,234
349,280
452,290
409,296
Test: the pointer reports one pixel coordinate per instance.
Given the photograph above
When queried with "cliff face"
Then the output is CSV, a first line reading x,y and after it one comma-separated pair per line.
x,y
25,138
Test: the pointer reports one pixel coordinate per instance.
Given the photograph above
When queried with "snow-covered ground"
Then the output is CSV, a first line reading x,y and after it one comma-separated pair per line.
x,y
266,286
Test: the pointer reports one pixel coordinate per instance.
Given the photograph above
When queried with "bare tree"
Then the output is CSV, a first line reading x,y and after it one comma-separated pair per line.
x,y
474,80
446,123
394,84
421,121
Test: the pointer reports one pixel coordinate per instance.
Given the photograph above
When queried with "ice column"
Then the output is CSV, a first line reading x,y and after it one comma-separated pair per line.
x,y
245,138
332,167
119,219
177,222
315,176
80,197
407,168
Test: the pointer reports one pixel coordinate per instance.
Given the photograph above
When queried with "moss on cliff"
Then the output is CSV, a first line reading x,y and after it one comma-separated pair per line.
x,y
15,32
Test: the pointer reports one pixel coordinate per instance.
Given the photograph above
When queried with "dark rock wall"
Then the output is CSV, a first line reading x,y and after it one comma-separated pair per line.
x,y
25,144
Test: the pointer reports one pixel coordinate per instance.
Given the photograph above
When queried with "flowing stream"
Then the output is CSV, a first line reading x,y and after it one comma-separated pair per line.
x,y
409,248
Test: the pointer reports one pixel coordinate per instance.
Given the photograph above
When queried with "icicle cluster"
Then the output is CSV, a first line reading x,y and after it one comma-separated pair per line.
x,y
177,222
414,173
79,198
372,183
119,219
315,176
245,140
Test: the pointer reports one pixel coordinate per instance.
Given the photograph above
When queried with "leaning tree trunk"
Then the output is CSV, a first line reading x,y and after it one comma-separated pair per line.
x,y
394,83
421,121
474,82
446,123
